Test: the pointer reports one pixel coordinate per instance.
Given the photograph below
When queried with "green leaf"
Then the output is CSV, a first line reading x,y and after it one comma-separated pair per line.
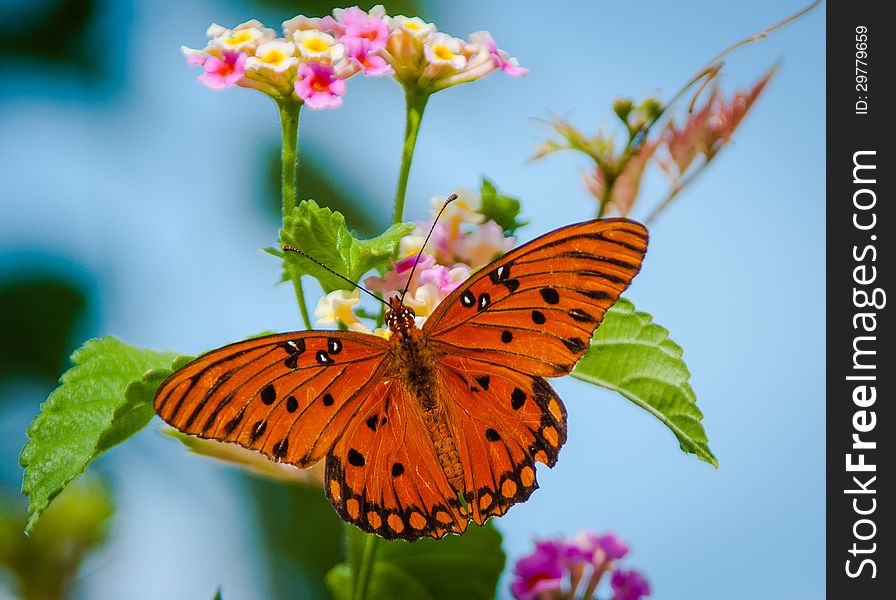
x,y
426,568
386,582
501,209
635,357
100,402
322,233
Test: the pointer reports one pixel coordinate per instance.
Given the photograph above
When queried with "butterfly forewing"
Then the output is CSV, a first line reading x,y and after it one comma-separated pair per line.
x,y
289,395
536,307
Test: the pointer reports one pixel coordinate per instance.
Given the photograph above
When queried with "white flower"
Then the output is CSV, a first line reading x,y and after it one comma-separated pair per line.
x,y
276,55
446,51
336,307
245,37
415,26
317,45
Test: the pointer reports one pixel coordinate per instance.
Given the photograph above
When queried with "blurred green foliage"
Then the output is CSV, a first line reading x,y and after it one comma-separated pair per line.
x,y
318,8
38,315
24,33
301,535
43,565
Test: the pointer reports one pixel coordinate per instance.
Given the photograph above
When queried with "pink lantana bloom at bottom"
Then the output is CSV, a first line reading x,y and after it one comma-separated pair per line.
x,y
318,87
539,573
220,73
629,585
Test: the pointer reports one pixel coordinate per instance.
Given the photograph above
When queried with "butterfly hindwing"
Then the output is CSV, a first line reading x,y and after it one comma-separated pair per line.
x,y
384,477
505,422
288,395
537,307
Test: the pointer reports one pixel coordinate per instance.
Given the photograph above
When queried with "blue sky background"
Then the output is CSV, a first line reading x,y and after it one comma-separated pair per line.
x,y
145,186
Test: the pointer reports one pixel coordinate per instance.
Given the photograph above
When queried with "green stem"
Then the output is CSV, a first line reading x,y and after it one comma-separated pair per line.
x,y
416,104
289,129
366,569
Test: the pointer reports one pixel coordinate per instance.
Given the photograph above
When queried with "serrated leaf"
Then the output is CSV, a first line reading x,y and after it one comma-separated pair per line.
x,y
66,436
322,233
137,410
433,564
635,357
499,208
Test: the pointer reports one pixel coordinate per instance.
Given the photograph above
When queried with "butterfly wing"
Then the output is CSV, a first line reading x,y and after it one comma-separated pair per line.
x,y
504,422
528,315
289,395
385,477
536,308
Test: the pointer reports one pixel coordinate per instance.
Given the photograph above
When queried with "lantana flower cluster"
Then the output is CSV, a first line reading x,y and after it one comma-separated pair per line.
x,y
462,241
559,569
312,59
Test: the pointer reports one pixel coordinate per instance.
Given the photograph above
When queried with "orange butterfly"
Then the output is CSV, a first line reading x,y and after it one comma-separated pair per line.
x,y
435,426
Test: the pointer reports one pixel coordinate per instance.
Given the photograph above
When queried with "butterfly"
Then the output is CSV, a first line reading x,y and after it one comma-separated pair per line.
x,y
437,425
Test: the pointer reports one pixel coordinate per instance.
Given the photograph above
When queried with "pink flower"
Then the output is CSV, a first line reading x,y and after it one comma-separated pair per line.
x,y
394,280
629,585
361,51
317,85
482,245
600,549
556,568
445,279
220,73
540,573
355,24
504,61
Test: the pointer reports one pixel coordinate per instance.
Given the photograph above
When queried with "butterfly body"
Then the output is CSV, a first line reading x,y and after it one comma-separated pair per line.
x,y
438,425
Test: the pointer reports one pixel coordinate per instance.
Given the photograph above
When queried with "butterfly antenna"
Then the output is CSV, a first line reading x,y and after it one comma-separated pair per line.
x,y
288,248
448,201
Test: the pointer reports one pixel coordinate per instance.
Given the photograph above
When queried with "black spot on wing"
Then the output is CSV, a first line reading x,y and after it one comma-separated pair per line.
x,y
280,448
575,345
268,395
372,422
258,430
517,398
581,316
355,458
549,295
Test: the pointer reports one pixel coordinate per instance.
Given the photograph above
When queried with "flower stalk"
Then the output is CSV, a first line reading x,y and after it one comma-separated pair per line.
x,y
366,568
290,110
415,101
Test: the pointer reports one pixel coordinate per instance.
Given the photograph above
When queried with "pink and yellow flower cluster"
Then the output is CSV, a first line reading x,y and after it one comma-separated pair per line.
x,y
314,57
461,242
